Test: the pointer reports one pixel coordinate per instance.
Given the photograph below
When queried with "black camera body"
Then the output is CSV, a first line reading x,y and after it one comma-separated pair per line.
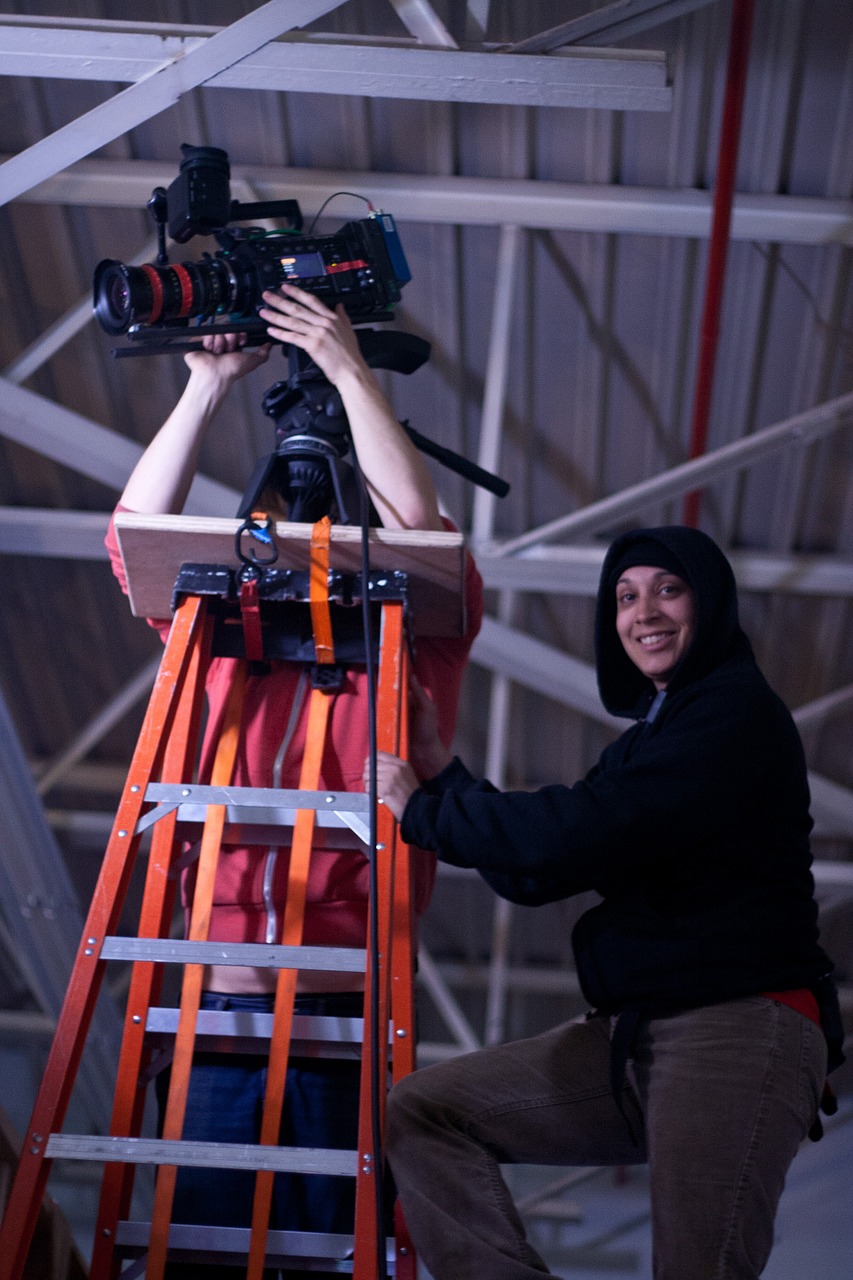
x,y
362,265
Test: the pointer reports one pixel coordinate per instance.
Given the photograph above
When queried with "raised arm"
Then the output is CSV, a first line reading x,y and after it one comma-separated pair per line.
x,y
160,481
396,474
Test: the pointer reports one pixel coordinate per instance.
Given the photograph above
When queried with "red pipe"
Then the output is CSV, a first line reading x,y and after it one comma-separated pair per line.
x,y
736,70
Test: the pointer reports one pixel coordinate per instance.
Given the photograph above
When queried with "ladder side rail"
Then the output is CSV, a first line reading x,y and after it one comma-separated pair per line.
x,y
403,956
87,973
403,939
146,982
211,841
391,700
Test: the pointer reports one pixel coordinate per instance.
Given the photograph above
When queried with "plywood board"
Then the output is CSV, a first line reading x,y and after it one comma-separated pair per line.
x,y
153,549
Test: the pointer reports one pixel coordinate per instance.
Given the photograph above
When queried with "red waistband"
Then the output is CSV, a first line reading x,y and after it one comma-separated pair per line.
x,y
802,1000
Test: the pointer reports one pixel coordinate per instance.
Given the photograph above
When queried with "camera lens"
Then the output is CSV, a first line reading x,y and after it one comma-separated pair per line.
x,y
119,296
113,296
125,295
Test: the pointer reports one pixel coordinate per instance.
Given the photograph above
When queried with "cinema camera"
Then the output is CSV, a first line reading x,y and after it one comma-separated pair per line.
x,y
171,308
362,265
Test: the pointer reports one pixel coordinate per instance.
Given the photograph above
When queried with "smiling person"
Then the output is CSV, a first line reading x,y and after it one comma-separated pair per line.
x,y
704,1052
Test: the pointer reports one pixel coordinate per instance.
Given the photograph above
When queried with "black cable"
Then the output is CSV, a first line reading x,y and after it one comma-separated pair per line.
x,y
379,1040
355,195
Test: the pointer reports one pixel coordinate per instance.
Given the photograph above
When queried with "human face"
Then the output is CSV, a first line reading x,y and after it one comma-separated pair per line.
x,y
655,620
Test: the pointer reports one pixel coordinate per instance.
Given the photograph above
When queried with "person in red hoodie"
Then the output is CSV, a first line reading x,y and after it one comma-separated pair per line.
x,y
226,1092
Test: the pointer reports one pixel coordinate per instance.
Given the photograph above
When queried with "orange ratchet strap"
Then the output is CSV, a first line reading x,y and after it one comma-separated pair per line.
x,y
321,618
297,891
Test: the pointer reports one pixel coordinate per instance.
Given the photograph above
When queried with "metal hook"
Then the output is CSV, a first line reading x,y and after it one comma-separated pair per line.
x,y
258,525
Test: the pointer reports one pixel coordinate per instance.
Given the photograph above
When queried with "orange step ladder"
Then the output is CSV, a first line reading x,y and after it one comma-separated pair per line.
x,y
160,794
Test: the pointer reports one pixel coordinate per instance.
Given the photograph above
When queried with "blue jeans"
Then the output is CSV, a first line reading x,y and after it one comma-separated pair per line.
x,y
225,1104
719,1097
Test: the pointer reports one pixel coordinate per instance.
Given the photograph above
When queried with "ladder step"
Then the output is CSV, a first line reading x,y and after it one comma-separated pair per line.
x,y
217,1155
257,955
265,806
247,1031
197,1243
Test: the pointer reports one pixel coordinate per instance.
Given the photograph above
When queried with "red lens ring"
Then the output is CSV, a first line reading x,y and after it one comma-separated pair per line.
x,y
156,292
186,289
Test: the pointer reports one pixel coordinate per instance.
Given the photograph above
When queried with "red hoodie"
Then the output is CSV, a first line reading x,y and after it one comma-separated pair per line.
x,y
336,910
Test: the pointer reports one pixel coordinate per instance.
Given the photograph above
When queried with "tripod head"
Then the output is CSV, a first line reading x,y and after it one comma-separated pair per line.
x,y
308,466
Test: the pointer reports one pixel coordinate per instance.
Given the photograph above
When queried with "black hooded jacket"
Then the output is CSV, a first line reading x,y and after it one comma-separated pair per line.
x,y
693,826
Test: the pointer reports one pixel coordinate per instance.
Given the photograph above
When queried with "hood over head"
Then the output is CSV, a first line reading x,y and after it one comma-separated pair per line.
x,y
696,558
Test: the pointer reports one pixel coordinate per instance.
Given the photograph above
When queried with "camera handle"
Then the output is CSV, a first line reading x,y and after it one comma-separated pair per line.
x,y
456,462
159,212
159,208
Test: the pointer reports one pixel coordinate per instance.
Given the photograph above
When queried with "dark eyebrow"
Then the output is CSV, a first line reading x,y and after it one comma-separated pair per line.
x,y
659,573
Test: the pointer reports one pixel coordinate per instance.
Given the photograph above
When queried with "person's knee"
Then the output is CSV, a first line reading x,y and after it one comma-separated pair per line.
x,y
403,1108
415,1104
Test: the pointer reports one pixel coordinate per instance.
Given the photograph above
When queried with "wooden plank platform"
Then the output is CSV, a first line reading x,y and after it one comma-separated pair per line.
x,y
154,547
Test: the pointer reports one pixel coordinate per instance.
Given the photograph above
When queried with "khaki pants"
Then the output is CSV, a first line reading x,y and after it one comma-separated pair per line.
x,y
719,1099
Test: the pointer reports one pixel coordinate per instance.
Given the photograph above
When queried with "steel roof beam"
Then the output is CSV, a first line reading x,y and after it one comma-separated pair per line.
x,y
167,81
822,709
42,917
618,21
541,667
77,442
476,19
573,571
497,373
552,206
62,330
801,429
98,727
572,683
421,20
161,69
41,531
482,524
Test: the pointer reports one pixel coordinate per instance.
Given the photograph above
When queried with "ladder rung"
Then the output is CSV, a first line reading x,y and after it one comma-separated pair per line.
x,y
265,806
188,1242
246,1030
313,1244
217,1155
257,955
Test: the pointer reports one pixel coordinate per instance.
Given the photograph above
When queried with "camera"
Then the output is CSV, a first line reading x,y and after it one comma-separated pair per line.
x,y
362,265
165,308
